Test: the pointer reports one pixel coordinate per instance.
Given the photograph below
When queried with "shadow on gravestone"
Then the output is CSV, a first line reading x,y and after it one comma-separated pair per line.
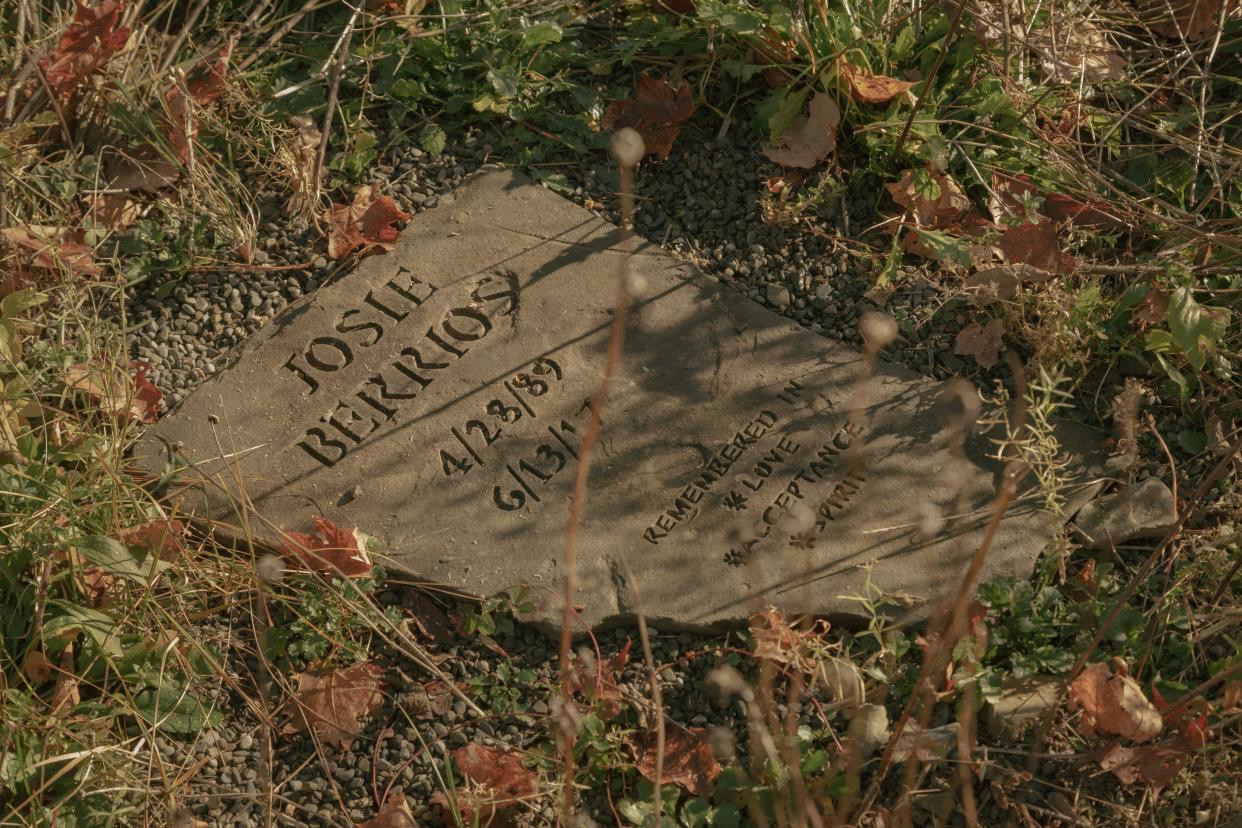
x,y
436,398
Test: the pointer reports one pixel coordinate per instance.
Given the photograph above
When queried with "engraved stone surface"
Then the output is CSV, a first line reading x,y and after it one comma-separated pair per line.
x,y
436,398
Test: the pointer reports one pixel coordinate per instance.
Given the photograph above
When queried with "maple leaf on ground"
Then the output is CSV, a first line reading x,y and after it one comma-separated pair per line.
x,y
1153,308
1114,704
115,211
983,342
329,703
157,537
926,745
54,249
1035,244
870,88
1001,283
498,784
203,87
117,394
144,169
1157,764
688,759
1191,727
933,199
333,550
395,814
597,681
85,48
810,137
369,222
655,111
1090,213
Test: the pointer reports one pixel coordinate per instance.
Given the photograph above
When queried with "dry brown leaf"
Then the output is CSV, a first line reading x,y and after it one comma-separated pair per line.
x,y
1114,704
145,169
947,209
368,223
395,814
65,693
115,211
870,88
202,88
1060,207
930,745
1001,283
304,149
1232,696
688,759
497,784
655,111
1153,309
37,667
330,702
163,538
983,342
1035,244
85,48
810,137
117,394
1076,50
1193,20
598,681
332,549
1155,764
54,248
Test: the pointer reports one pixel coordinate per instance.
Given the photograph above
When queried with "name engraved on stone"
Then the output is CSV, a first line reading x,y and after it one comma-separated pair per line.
x,y
354,418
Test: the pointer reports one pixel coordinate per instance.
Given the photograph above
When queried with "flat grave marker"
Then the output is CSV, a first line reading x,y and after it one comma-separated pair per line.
x,y
436,398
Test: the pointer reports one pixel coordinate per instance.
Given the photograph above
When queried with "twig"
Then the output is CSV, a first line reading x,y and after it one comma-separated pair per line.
x,y
346,37
657,698
931,76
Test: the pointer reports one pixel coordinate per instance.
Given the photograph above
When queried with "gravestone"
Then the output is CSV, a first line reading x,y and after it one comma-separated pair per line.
x,y
436,398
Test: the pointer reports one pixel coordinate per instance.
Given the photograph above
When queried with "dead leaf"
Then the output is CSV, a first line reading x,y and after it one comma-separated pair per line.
x,y
201,89
304,149
157,537
85,48
688,759
983,342
1156,764
810,137
370,222
946,207
1233,696
1001,283
498,783
1191,19
117,394
930,745
870,88
430,620
1076,50
395,814
54,248
1190,721
655,111
1153,308
774,639
65,693
1035,244
332,549
37,667
1060,207
145,169
115,211
330,702
1114,704
598,681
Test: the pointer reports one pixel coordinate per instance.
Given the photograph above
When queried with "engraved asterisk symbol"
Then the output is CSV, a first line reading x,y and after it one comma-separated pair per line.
x,y
805,540
735,500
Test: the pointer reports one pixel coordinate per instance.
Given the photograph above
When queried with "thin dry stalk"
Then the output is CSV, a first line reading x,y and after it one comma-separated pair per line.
x,y
566,735
657,696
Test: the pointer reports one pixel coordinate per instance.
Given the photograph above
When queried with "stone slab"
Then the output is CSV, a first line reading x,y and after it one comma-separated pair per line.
x,y
436,398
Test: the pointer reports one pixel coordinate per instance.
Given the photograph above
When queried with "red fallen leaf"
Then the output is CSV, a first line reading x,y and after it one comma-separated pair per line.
x,y
869,88
776,640
655,111
332,549
1153,309
498,783
92,582
810,137
1157,764
598,681
775,53
158,537
1035,245
203,87
1191,19
85,48
1006,201
688,759
1191,727
54,248
116,394
1059,207
329,702
941,211
983,342
367,223
395,814
1114,703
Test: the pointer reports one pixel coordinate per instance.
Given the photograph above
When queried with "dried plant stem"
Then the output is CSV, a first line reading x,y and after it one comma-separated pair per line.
x,y
346,37
616,340
657,696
